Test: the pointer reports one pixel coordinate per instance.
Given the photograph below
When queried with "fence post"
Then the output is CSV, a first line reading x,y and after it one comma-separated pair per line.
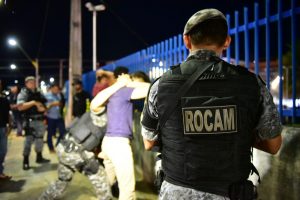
x,y
228,49
280,74
268,43
236,38
294,64
256,38
180,47
246,35
175,47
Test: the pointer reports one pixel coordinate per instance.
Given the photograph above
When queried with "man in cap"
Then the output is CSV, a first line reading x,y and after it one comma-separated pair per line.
x,y
206,115
80,99
32,104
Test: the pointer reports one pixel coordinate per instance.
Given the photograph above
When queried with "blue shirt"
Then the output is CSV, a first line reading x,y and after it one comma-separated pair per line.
x,y
54,111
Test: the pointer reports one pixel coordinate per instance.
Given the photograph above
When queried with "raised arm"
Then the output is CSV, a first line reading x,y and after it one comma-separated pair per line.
x,y
100,99
140,89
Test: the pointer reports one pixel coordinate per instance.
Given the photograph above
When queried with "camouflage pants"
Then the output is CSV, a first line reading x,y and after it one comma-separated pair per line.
x,y
84,162
35,135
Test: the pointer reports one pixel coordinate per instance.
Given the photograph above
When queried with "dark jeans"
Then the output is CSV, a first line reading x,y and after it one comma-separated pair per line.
x,y
53,124
3,147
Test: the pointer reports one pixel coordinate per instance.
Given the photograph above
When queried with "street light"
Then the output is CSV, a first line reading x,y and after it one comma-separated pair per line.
x,y
94,9
13,66
13,42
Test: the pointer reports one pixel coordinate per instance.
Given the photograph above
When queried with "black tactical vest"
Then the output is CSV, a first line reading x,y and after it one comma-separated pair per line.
x,y
33,96
206,142
86,133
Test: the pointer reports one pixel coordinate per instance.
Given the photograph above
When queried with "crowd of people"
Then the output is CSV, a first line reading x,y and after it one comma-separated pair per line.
x,y
200,109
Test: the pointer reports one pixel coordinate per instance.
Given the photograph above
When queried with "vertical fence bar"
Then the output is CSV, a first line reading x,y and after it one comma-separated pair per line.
x,y
280,67
228,49
148,59
159,53
143,59
162,46
155,64
256,38
184,51
170,51
294,71
151,63
166,53
180,47
228,58
175,48
268,43
246,35
236,38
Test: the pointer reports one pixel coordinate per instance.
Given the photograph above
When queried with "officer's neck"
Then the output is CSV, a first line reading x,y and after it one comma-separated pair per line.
x,y
214,48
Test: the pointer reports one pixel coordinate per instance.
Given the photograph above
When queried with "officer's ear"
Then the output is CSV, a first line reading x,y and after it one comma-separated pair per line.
x,y
187,41
227,42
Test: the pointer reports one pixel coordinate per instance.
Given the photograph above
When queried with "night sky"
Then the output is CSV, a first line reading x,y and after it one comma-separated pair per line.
x,y
42,28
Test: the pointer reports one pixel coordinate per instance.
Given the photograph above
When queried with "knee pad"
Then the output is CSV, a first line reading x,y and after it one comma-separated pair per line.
x,y
91,167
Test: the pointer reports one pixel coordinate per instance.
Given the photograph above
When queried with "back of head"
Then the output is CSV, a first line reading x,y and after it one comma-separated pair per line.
x,y
207,27
141,75
120,70
103,76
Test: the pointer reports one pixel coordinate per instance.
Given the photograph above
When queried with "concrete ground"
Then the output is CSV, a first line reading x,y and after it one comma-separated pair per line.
x,y
28,185
280,174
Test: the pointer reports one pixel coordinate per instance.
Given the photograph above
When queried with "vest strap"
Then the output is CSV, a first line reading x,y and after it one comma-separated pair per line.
x,y
184,88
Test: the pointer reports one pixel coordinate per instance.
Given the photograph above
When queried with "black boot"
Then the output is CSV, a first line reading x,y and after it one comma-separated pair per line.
x,y
26,163
40,159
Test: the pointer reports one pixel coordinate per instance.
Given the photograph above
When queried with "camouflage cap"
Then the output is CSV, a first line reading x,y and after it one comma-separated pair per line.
x,y
201,16
29,78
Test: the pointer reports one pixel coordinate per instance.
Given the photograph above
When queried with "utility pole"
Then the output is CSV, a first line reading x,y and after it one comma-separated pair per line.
x,y
75,57
61,68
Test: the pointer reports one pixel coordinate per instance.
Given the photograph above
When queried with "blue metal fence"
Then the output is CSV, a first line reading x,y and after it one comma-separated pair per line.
x,y
157,59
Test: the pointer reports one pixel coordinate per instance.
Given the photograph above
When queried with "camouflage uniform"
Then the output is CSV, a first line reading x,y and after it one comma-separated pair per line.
x,y
72,156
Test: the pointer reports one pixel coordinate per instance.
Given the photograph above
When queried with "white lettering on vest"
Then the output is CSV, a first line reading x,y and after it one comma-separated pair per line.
x,y
210,126
189,121
210,119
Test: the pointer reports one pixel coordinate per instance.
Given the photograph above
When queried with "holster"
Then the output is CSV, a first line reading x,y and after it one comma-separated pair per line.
x,y
28,130
160,176
244,190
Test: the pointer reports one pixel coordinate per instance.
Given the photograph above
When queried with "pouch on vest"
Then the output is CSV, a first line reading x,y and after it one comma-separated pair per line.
x,y
81,133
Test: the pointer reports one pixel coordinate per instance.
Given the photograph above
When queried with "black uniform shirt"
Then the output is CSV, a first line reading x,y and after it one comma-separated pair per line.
x,y
4,111
79,103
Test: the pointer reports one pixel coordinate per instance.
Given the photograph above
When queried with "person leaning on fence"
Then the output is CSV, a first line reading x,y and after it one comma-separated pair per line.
x,y
116,145
103,80
206,115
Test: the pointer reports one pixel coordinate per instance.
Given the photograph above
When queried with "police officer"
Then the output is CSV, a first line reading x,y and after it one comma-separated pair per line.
x,y
32,104
207,137
76,152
